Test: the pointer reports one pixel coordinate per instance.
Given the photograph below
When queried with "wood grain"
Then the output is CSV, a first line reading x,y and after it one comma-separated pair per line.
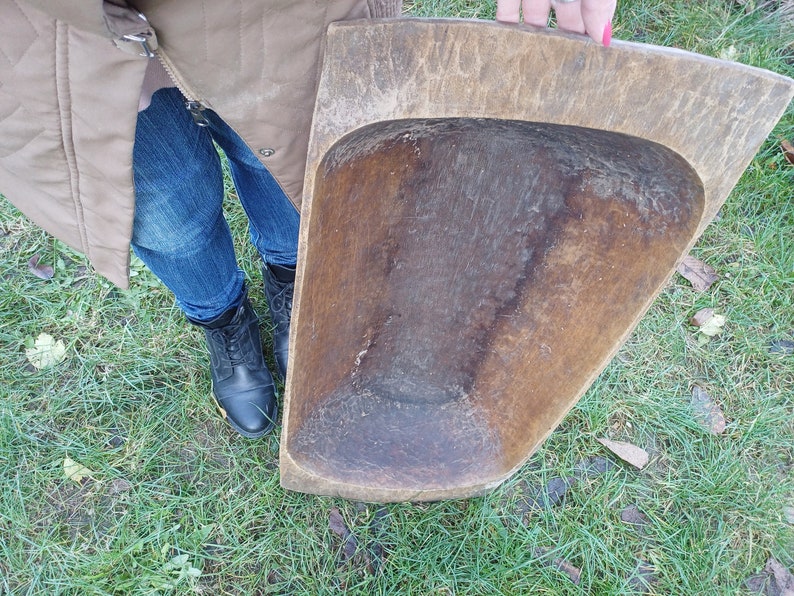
x,y
478,239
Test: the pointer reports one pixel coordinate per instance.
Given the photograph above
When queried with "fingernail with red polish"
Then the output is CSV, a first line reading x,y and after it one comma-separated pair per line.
x,y
607,39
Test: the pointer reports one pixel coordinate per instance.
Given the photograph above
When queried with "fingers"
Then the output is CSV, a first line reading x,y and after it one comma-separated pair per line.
x,y
507,11
593,17
569,16
536,12
597,18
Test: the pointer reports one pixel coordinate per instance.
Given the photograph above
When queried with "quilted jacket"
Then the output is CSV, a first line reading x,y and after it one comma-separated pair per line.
x,y
70,80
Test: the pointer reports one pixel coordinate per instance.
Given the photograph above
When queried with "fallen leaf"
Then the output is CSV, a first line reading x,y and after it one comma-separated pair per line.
x,y
788,150
274,577
547,496
375,549
773,580
701,317
634,517
709,414
781,346
713,326
593,466
76,471
39,270
632,454
643,579
119,485
46,351
783,577
760,584
338,527
337,524
573,572
730,53
115,439
556,489
748,6
698,273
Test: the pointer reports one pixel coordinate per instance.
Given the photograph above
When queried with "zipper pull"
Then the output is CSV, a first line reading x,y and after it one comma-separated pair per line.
x,y
197,112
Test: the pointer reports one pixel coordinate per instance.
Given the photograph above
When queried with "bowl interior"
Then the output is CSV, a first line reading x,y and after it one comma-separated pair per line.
x,y
465,282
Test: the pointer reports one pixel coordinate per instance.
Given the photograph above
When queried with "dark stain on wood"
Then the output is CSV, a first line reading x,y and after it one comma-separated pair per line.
x,y
467,278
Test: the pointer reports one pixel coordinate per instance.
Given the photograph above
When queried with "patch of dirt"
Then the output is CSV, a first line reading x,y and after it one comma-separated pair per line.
x,y
86,510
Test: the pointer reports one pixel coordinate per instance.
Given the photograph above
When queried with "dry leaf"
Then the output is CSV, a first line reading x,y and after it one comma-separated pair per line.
x,y
701,317
644,579
709,413
698,273
75,471
573,572
759,584
338,527
119,485
556,489
731,54
274,577
39,270
550,495
781,346
632,454
773,580
46,351
337,524
713,326
783,577
593,466
376,550
634,517
788,150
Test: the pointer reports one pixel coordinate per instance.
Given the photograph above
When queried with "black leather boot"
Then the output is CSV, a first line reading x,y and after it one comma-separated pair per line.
x,y
241,382
279,288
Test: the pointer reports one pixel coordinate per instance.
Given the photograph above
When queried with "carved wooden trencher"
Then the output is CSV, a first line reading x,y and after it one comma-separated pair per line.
x,y
488,212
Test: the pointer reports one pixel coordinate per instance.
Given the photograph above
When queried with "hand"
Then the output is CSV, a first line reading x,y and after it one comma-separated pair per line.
x,y
593,17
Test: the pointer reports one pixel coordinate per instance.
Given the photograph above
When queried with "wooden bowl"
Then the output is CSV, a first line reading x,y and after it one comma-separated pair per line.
x,y
488,212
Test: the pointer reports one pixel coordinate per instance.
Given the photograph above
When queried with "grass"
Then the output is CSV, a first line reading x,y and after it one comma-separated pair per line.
x,y
178,504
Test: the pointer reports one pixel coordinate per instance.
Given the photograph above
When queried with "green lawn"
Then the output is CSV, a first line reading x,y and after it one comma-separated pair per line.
x,y
174,502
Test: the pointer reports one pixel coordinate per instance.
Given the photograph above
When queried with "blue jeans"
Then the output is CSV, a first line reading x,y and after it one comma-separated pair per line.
x,y
179,230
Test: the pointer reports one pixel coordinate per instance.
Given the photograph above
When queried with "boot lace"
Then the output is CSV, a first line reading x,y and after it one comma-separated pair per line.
x,y
282,303
231,338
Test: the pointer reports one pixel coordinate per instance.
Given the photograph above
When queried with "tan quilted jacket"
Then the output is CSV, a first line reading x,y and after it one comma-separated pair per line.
x,y
70,80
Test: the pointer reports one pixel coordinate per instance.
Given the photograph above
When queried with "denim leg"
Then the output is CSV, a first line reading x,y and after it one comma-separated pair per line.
x,y
273,219
179,230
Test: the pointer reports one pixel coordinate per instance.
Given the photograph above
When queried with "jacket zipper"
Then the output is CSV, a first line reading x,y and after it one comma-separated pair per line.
x,y
197,113
193,105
